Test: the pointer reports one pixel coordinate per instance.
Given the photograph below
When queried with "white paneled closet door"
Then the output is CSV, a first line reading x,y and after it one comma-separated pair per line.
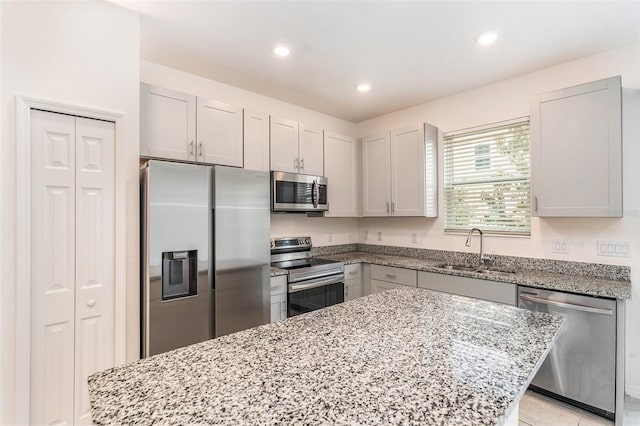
x,y
72,276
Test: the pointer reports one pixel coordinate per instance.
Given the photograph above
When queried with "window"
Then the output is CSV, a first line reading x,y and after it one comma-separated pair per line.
x,y
487,179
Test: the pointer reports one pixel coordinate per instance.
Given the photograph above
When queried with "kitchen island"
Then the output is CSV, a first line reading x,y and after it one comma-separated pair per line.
x,y
398,357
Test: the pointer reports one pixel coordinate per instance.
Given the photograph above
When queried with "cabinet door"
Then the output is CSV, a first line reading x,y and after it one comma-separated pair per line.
x,y
407,172
256,141
278,307
352,289
219,133
576,151
167,123
470,287
284,145
94,272
311,151
341,168
380,286
377,178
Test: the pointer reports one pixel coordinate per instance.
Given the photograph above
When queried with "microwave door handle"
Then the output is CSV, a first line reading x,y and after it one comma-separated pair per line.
x,y
314,194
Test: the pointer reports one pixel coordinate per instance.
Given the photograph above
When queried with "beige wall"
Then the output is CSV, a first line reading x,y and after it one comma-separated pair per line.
x,y
82,53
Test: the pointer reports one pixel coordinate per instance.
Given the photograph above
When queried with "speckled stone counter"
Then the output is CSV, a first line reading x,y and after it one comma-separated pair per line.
x,y
404,356
277,271
594,286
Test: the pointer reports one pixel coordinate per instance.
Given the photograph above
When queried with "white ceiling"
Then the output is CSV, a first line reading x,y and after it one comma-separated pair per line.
x,y
410,52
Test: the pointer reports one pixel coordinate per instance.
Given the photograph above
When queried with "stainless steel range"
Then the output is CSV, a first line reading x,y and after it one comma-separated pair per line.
x,y
312,283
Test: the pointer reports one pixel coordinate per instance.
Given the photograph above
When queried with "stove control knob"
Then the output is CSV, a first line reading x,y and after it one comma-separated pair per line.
x,y
307,241
301,242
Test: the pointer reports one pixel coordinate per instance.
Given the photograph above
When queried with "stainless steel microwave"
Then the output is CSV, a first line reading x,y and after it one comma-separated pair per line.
x,y
291,192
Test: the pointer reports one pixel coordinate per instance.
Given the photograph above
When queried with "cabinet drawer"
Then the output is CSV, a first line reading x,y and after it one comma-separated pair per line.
x,y
278,284
492,291
352,271
394,275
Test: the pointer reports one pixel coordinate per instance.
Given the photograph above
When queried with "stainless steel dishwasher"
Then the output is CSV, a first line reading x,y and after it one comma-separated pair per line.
x,y
581,367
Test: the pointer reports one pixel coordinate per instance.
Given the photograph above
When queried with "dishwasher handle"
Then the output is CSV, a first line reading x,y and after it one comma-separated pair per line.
x,y
529,298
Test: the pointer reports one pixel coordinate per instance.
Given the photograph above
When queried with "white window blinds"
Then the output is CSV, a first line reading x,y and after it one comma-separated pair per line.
x,y
487,179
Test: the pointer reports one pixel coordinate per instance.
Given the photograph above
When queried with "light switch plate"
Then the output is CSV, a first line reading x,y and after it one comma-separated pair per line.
x,y
614,248
560,246
379,236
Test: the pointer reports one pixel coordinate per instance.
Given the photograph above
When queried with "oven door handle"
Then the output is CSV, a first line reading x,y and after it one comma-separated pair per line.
x,y
320,282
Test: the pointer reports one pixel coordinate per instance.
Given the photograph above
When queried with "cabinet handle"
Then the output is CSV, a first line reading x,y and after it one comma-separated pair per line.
x,y
346,291
296,164
387,207
392,276
91,303
352,272
535,202
201,151
393,207
192,146
302,164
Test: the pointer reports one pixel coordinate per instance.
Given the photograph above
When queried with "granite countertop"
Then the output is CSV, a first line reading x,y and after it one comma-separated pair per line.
x,y
404,356
593,286
277,271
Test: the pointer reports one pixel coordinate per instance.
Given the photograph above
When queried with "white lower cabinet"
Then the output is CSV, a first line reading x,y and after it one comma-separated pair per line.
x,y
388,277
278,298
492,291
352,282
72,327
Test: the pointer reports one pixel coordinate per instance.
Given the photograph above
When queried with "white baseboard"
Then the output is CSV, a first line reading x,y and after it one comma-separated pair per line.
x,y
633,391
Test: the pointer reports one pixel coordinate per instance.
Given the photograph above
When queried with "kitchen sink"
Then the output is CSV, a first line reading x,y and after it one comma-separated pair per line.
x,y
477,270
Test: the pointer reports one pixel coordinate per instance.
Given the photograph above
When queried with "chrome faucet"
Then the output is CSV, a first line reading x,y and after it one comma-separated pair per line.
x,y
468,244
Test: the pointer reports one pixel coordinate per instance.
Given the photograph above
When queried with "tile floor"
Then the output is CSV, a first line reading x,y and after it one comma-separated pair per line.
x,y
538,410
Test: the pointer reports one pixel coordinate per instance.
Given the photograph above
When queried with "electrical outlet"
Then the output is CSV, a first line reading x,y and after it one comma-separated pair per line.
x,y
379,236
560,246
330,236
414,238
366,235
614,248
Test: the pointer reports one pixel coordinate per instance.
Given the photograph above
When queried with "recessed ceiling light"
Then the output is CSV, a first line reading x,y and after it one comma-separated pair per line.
x,y
363,87
281,51
487,38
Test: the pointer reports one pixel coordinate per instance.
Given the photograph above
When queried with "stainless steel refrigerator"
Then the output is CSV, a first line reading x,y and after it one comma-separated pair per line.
x,y
205,253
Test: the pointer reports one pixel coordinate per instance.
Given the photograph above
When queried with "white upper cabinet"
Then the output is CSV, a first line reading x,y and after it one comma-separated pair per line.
x,y
341,167
377,175
219,133
576,151
407,169
400,173
178,126
296,148
284,145
256,141
167,123
311,151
